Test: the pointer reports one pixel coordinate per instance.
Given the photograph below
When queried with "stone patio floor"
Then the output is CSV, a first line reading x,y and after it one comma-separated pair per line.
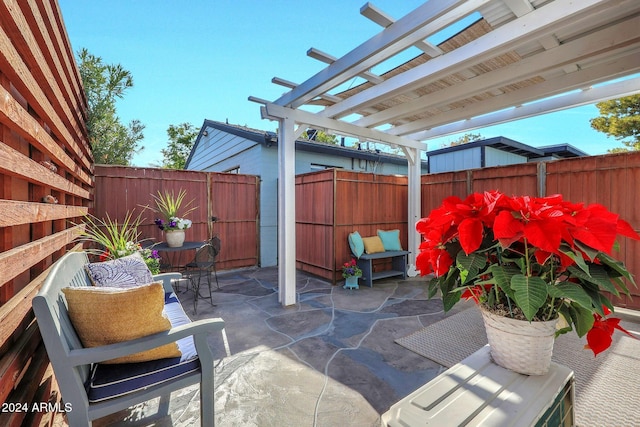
x,y
329,360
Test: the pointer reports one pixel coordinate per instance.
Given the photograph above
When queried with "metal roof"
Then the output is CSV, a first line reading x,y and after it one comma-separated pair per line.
x,y
269,139
515,147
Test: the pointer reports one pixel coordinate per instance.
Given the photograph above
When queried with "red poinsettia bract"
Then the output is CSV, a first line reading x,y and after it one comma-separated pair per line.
x,y
600,336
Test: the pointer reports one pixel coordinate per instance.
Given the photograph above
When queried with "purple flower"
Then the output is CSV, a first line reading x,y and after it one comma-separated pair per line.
x,y
172,224
160,223
155,255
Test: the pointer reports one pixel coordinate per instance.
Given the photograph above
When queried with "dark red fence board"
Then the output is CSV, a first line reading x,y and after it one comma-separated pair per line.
x,y
232,198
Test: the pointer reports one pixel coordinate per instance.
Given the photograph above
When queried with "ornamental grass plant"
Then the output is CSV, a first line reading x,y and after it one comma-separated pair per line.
x,y
168,206
109,239
534,258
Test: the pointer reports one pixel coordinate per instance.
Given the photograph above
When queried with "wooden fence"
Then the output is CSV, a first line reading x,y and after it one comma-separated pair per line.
x,y
231,198
43,153
331,204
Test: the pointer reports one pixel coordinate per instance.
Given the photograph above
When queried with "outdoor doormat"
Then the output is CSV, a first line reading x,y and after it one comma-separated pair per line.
x,y
606,387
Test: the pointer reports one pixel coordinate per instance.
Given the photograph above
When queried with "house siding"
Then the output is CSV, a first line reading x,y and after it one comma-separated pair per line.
x,y
219,148
309,162
456,160
495,157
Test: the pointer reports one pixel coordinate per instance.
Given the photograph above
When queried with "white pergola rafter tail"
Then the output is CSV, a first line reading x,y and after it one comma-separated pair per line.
x,y
276,112
536,24
584,97
416,26
621,67
598,44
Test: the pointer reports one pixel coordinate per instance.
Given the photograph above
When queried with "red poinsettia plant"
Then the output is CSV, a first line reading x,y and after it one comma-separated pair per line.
x,y
534,258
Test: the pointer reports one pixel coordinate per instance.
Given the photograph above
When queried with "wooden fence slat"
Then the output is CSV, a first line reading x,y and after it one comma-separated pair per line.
x,y
21,33
12,162
15,362
14,212
70,95
17,260
38,365
16,117
18,308
13,66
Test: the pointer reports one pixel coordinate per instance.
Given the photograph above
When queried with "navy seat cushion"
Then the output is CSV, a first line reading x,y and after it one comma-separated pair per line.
x,y
109,381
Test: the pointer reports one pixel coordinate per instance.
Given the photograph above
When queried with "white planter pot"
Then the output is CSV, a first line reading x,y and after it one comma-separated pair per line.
x,y
175,238
519,345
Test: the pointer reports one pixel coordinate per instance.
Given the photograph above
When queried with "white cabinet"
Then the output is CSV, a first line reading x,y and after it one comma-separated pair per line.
x,y
477,392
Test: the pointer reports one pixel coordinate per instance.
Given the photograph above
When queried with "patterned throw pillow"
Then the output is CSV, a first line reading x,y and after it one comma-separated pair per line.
x,y
125,272
103,316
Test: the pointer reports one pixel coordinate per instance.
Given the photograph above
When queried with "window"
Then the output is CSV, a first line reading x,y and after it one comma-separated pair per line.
x,y
319,167
235,169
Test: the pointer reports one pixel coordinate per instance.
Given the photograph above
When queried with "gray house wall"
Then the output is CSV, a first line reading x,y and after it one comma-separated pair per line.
x,y
495,157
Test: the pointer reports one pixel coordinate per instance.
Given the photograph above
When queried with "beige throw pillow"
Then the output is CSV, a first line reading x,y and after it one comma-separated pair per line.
x,y
373,244
103,316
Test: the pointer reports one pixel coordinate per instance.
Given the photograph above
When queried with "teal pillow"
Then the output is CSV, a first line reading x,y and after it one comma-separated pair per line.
x,y
390,240
356,244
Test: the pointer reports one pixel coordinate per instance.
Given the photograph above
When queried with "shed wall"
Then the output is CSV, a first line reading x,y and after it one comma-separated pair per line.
x,y
456,160
495,157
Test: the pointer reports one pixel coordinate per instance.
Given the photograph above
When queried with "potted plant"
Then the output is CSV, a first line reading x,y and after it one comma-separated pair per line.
x,y
351,272
112,240
543,260
168,206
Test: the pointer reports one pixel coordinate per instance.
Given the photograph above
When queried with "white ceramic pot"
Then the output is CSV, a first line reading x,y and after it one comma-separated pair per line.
x,y
519,345
175,238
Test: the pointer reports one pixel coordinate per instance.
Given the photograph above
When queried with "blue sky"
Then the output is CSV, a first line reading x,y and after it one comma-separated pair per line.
x,y
199,59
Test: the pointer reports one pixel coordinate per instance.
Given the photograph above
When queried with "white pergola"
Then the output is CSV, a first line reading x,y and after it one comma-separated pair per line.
x,y
520,58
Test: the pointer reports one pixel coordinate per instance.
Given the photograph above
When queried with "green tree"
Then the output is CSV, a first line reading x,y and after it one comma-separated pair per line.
x,y
466,138
620,118
111,141
181,140
320,136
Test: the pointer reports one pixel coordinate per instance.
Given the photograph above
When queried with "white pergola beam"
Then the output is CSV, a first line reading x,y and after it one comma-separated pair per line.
x,y
417,25
576,99
376,15
283,82
384,20
570,53
519,7
580,79
277,112
289,84
329,59
503,39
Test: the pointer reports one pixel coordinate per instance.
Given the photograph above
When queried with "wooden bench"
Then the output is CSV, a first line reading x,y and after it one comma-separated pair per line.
x,y
398,266
76,368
